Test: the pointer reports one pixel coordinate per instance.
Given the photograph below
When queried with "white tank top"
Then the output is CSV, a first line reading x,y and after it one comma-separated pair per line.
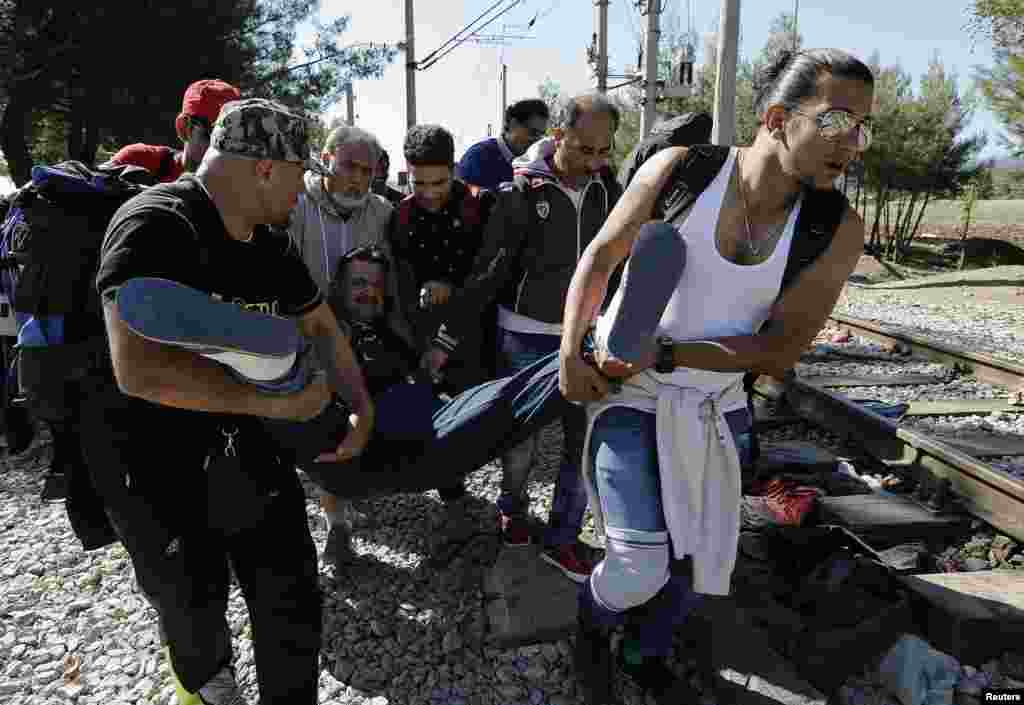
x,y
716,298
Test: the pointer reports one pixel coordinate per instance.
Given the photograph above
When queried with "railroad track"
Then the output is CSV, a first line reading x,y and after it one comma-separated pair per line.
x,y
938,468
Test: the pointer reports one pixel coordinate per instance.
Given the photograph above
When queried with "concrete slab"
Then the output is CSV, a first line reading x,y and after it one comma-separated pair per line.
x,y
887,516
530,601
962,407
871,380
754,672
972,616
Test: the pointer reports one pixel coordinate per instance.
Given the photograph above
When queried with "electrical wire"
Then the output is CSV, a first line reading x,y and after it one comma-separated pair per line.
x,y
438,54
421,66
455,36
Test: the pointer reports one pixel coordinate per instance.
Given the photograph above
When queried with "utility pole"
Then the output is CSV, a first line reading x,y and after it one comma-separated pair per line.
x,y
350,105
410,68
723,131
651,66
601,59
503,79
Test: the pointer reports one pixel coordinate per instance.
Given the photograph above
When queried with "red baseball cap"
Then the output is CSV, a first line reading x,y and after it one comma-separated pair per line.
x,y
205,99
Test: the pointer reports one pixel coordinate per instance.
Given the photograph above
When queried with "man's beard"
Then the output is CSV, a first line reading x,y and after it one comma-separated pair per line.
x,y
348,203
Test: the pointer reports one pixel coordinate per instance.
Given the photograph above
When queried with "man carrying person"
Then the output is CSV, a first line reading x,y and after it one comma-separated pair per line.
x,y
200,107
488,163
561,196
337,213
768,239
158,442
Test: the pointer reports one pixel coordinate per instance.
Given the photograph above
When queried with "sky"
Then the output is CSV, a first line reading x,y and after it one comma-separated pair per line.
x,y
462,91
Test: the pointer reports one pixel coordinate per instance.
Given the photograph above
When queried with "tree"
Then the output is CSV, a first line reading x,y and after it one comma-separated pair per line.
x,y
1003,88
1001,21
77,66
917,155
554,97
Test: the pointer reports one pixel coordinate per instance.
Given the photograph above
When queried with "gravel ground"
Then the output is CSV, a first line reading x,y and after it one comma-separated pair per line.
x,y
73,629
996,330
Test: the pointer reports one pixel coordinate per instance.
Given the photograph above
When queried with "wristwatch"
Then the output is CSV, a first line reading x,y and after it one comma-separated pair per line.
x,y
666,363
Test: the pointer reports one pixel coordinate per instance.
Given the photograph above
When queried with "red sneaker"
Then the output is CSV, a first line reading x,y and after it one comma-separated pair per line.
x,y
569,559
514,529
788,501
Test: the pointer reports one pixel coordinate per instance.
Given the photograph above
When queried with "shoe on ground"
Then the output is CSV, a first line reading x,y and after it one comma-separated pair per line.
x,y
592,664
55,487
222,689
569,559
514,529
338,549
656,679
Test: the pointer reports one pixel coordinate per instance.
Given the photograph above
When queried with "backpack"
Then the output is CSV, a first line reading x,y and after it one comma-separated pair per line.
x,y
820,215
50,243
681,131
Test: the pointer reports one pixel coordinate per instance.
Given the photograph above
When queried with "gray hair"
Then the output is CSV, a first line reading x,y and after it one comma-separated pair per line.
x,y
793,77
580,105
348,134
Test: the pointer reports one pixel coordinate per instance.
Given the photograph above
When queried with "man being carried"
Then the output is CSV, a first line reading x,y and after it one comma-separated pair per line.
x,y
336,213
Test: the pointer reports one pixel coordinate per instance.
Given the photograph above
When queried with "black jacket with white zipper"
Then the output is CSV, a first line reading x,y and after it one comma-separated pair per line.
x,y
532,243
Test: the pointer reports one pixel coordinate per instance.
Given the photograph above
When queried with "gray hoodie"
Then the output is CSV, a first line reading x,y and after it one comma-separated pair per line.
x,y
323,236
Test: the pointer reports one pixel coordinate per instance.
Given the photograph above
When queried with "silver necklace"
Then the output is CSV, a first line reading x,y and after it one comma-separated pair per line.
x,y
752,246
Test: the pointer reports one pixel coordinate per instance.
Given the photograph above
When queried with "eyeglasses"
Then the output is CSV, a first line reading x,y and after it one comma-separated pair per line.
x,y
835,124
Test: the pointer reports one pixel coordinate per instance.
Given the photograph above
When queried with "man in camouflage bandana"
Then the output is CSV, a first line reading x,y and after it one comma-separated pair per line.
x,y
183,525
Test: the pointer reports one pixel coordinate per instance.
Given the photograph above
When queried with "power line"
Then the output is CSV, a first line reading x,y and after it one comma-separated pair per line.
x,y
456,35
428,62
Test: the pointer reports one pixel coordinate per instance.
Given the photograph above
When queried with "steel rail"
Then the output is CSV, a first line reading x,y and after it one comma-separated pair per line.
x,y
984,367
986,492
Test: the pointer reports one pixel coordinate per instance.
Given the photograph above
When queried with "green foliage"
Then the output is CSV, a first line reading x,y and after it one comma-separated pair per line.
x,y
918,153
1003,89
1002,21
67,63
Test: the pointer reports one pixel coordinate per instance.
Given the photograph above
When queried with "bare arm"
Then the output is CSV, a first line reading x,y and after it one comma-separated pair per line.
x,y
578,381
797,316
345,378
166,375
334,351
611,246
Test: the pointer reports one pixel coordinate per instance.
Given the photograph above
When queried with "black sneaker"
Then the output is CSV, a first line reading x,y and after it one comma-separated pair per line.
x,y
655,678
592,663
55,487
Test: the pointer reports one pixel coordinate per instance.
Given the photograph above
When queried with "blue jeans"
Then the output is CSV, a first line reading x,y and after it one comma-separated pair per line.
x,y
516,351
638,570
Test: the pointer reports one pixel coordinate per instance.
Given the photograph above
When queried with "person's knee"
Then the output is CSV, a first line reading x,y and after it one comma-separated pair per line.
x,y
629,577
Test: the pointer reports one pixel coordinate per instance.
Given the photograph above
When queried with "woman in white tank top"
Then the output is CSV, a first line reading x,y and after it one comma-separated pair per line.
x,y
661,462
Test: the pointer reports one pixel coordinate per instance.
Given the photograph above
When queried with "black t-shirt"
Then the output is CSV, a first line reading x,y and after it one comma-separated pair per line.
x,y
174,231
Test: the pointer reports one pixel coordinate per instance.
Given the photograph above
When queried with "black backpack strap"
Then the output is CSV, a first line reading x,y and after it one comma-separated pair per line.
x,y
816,226
689,178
